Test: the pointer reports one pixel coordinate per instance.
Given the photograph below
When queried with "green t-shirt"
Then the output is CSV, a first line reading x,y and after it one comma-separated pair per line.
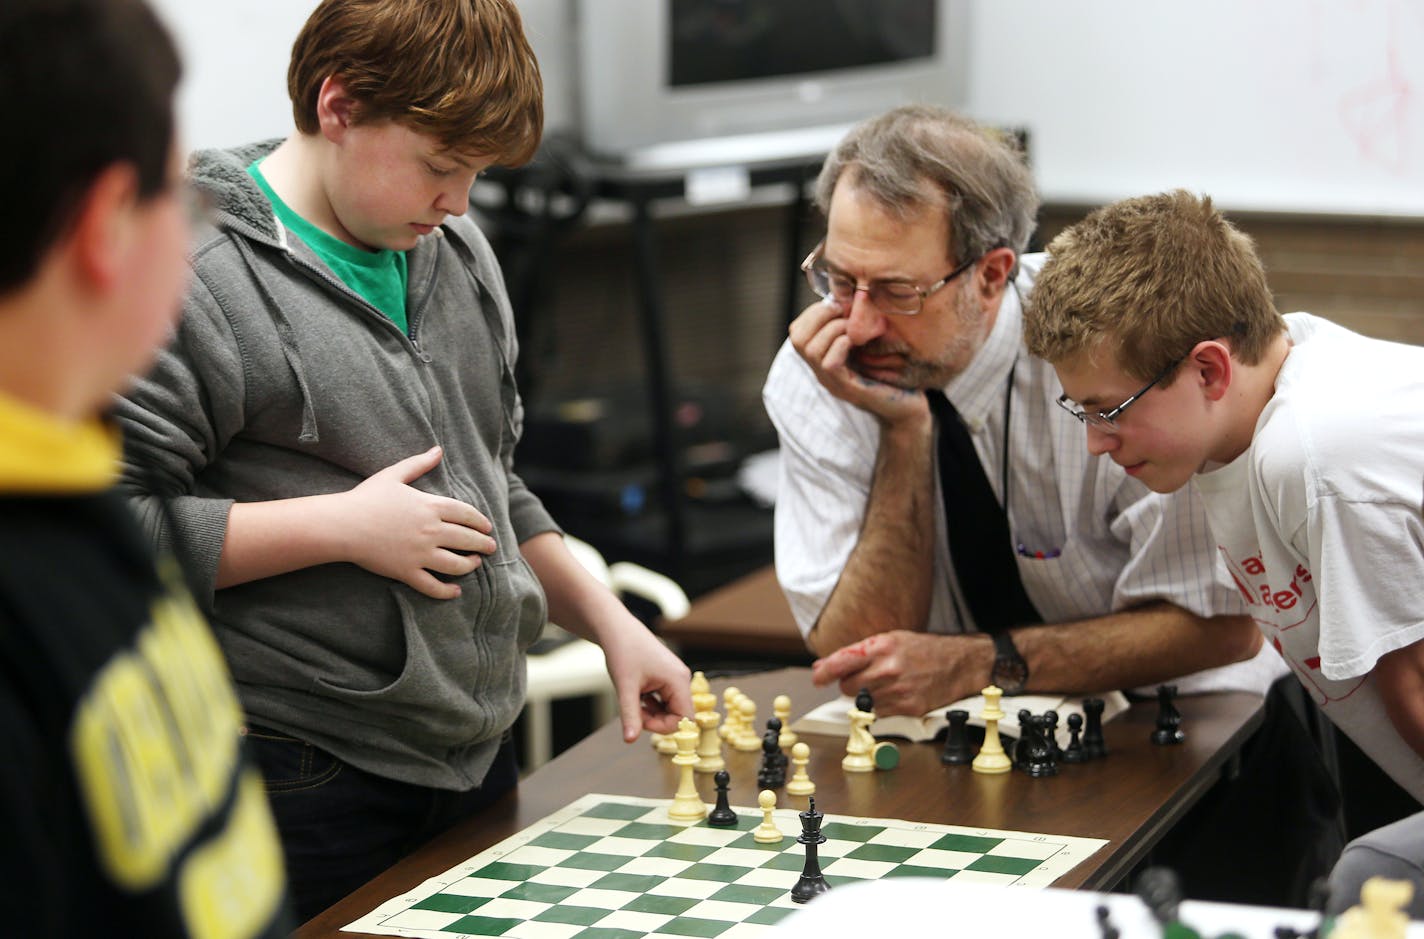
x,y
377,276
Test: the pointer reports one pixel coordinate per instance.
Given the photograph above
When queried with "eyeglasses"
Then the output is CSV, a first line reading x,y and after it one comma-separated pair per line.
x,y
1106,421
888,296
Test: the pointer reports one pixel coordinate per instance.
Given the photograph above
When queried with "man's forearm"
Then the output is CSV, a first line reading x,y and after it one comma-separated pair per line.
x,y
1142,646
886,581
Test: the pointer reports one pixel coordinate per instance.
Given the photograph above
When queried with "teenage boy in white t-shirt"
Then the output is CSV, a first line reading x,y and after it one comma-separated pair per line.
x,y
1305,440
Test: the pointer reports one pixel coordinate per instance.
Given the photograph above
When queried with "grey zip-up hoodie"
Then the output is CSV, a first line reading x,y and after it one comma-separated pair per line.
x,y
282,382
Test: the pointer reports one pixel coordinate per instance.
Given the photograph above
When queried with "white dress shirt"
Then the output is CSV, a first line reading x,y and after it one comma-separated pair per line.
x,y
1107,541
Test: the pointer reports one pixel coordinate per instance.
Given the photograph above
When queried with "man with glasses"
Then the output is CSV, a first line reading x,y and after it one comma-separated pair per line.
x,y
922,281
1305,442
1087,580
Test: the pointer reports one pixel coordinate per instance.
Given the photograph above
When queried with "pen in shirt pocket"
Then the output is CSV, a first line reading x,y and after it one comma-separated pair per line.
x,y
1026,552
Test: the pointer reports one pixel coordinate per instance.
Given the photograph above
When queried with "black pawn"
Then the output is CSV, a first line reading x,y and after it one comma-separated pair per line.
x,y
1093,745
722,815
956,739
1019,756
811,883
1106,928
864,702
1050,733
1169,719
772,774
1074,752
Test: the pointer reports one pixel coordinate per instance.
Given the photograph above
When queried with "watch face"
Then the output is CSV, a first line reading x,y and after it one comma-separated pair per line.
x,y
1010,674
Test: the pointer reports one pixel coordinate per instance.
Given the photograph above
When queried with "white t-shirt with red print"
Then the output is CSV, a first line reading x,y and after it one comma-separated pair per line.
x,y
1319,523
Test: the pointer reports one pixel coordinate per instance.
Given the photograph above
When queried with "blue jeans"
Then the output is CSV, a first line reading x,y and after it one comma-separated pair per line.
x,y
341,826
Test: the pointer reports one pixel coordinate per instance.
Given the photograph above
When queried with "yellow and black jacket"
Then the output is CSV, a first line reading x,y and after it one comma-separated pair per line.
x,y
126,808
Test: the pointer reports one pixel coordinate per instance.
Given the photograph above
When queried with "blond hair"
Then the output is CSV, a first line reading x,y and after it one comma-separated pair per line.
x,y
460,71
1145,280
978,174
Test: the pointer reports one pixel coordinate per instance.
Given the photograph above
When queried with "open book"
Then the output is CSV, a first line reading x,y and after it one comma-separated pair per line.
x,y
830,718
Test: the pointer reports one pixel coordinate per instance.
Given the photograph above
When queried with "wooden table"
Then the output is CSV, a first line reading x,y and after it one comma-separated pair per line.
x,y
1131,798
748,616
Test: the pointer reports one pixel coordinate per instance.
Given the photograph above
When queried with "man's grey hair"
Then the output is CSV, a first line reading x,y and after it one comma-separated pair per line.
x,y
980,175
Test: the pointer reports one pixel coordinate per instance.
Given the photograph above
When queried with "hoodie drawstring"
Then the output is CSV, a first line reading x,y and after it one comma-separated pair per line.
x,y
286,334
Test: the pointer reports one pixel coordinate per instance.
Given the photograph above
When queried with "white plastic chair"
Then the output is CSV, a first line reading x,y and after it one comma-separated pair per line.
x,y
576,668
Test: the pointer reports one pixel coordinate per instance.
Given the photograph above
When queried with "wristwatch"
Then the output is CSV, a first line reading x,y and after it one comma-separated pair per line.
x,y
1010,671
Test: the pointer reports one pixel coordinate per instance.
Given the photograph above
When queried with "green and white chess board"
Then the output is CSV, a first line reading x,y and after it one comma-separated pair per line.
x,y
616,867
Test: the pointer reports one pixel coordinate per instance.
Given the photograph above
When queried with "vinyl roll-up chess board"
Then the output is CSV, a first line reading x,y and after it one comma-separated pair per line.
x,y
616,867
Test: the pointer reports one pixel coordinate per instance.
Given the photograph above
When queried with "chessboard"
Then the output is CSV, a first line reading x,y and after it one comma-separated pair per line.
x,y
616,867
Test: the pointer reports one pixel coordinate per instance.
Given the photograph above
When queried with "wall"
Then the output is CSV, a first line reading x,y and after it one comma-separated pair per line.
x,y
1277,105
1303,105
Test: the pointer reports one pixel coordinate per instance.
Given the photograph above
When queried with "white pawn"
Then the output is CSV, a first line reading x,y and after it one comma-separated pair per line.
x,y
747,739
800,784
781,707
767,832
728,730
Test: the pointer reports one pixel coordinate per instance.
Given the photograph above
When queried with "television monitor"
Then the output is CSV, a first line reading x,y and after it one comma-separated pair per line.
x,y
665,84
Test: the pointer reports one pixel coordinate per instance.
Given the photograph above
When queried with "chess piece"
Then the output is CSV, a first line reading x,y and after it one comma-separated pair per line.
x,y
1035,755
687,805
1094,746
767,832
991,758
781,707
1018,750
1074,752
1169,719
811,883
709,745
1047,748
702,697
956,739
860,745
704,708
666,744
1106,927
1161,892
722,815
800,784
1381,913
1050,733
772,774
729,705
747,739
774,723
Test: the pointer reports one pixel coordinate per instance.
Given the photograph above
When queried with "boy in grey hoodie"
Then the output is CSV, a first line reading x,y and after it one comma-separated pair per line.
x,y
332,432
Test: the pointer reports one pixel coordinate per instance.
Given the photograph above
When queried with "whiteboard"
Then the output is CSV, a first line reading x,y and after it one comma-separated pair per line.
x,y
1271,105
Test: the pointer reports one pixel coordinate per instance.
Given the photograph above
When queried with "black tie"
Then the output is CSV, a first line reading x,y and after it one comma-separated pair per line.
x,y
979,544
